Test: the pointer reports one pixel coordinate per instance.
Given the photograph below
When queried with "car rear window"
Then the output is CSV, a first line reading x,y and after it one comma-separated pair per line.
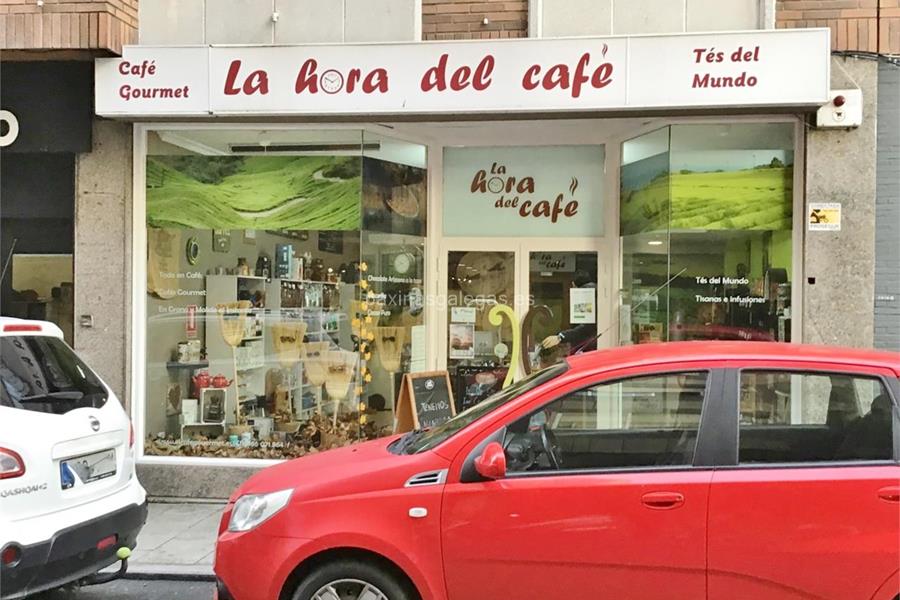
x,y
42,374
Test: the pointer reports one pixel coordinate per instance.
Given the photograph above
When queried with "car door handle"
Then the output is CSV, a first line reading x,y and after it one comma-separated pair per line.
x,y
662,500
890,493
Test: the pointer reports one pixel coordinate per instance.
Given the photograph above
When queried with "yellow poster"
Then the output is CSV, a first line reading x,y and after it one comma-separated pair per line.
x,y
824,216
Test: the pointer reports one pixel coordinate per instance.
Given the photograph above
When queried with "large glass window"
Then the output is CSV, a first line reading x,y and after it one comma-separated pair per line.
x,y
282,269
706,224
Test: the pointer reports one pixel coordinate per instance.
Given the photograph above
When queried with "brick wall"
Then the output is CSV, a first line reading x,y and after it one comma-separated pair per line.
x,y
68,24
865,25
464,20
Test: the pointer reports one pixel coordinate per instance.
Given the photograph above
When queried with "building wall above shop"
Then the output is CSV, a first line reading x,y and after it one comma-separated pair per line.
x,y
66,25
560,18
856,25
181,22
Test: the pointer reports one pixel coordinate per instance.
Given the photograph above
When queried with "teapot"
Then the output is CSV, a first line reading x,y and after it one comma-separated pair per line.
x,y
220,381
201,380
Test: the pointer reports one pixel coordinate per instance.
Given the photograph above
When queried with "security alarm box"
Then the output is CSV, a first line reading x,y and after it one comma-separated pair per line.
x,y
843,111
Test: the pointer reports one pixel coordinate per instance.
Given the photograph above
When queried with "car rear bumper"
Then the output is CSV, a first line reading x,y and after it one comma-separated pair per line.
x,y
71,554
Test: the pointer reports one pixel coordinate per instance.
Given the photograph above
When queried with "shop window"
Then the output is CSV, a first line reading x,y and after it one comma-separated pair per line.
x,y
37,238
706,225
639,422
813,417
284,282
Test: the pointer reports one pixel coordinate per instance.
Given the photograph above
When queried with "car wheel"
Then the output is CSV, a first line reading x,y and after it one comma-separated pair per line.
x,y
350,580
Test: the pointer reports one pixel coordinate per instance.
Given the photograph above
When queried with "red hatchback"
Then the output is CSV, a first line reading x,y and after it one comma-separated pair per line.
x,y
715,470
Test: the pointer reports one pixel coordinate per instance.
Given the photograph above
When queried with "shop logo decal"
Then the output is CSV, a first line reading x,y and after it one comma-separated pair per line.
x,y
510,189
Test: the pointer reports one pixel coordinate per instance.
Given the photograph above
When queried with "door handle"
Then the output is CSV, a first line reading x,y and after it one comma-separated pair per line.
x,y
662,500
890,493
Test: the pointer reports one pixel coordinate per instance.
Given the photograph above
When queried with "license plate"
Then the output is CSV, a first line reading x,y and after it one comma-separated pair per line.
x,y
88,468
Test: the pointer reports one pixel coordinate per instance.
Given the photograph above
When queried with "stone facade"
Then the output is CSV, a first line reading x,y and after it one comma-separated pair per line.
x,y
103,193
839,294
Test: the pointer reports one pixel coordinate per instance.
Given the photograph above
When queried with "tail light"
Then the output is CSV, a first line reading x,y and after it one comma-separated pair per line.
x,y
11,556
21,328
11,464
130,434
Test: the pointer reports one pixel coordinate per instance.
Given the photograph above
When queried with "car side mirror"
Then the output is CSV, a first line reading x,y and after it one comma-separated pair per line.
x,y
492,462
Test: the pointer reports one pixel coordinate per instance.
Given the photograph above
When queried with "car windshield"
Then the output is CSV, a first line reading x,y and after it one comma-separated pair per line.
x,y
42,374
420,441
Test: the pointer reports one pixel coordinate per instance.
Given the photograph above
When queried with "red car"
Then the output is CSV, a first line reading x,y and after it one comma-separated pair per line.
x,y
720,470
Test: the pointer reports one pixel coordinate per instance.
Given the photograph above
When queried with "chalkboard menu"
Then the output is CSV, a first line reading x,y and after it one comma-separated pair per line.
x,y
425,401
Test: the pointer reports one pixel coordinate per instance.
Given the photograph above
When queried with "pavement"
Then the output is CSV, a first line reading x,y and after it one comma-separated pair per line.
x,y
125,589
178,541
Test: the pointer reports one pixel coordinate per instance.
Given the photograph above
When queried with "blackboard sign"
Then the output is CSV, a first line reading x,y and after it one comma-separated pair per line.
x,y
425,401
331,241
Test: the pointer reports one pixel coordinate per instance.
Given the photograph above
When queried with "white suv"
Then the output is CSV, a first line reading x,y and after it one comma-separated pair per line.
x,y
70,503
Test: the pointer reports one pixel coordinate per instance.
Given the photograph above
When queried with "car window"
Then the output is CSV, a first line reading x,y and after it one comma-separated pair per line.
x,y
813,417
42,374
638,422
420,441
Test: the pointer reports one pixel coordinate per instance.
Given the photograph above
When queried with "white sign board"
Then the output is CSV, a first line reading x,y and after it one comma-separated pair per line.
x,y
757,68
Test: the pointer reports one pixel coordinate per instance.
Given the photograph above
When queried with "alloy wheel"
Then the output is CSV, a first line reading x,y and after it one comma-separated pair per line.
x,y
349,589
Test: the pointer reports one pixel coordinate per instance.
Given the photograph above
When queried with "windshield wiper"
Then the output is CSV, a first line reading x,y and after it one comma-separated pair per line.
x,y
72,395
408,439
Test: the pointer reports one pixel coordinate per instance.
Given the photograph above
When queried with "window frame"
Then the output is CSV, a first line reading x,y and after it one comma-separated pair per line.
x,y
730,451
705,450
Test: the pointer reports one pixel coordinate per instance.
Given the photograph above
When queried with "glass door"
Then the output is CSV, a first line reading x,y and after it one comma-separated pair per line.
x,y
562,315
515,307
479,331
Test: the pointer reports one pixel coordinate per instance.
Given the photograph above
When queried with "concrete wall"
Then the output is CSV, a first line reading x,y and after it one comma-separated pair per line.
x,y
190,481
840,167
179,22
103,194
560,18
887,211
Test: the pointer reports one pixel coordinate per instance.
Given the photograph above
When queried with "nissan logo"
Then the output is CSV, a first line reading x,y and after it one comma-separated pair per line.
x,y
95,423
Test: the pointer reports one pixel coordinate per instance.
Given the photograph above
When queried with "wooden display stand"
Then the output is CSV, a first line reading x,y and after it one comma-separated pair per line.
x,y
425,400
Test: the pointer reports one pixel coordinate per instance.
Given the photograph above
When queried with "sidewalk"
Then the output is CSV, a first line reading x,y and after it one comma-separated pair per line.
x,y
177,541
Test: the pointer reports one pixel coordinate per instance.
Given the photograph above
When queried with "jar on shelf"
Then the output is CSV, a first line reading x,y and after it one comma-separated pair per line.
x,y
243,269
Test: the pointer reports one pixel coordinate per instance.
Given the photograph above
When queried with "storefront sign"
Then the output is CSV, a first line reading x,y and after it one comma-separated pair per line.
x,y
10,123
557,192
824,216
758,68
552,262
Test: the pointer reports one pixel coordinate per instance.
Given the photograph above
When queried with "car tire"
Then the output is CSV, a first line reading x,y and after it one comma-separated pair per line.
x,y
355,570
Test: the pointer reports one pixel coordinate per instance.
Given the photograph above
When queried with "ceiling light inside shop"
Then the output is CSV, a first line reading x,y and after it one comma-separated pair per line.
x,y
655,243
290,148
